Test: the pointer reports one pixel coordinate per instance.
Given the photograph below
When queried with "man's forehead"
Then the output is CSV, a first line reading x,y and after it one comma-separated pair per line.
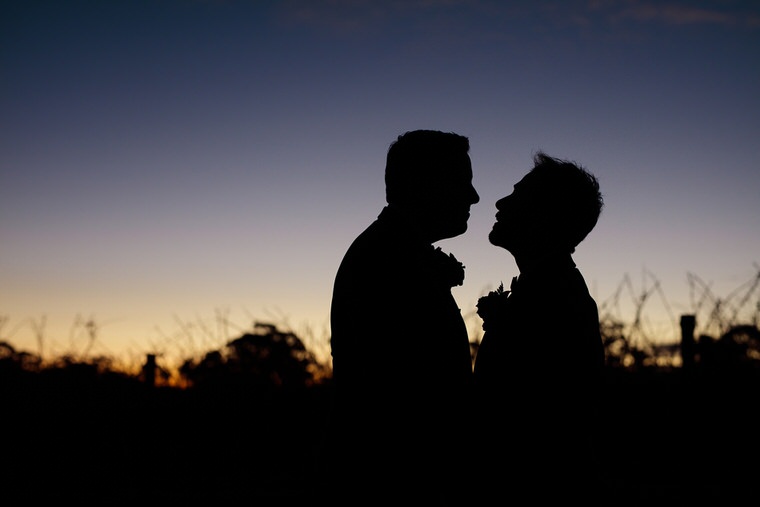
x,y
528,182
457,166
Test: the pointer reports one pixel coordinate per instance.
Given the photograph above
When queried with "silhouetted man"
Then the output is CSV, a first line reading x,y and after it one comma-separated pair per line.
x,y
402,366
537,370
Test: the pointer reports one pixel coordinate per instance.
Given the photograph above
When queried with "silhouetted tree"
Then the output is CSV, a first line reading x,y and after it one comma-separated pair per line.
x,y
617,349
266,358
739,347
12,360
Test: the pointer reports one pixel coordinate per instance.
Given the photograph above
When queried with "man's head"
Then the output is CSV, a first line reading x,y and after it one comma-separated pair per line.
x,y
428,175
551,210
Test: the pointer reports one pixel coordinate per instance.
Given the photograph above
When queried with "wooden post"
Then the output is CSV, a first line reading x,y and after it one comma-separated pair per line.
x,y
149,370
688,352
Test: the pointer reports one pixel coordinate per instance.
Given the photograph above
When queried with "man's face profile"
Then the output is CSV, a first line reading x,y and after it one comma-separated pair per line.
x,y
516,216
450,196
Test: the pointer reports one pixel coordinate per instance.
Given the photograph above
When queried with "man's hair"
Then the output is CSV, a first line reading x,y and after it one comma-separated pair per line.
x,y
571,193
417,159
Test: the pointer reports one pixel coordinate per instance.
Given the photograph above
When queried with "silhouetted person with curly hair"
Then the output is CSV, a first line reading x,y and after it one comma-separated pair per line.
x,y
538,367
402,366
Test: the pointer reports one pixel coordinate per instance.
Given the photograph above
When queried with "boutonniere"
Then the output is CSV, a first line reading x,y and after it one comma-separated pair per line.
x,y
492,306
448,269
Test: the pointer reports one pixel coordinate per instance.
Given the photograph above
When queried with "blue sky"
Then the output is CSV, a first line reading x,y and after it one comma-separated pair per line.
x,y
165,163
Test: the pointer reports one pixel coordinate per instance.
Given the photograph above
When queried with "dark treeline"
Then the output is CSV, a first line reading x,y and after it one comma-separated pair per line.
x,y
242,425
245,423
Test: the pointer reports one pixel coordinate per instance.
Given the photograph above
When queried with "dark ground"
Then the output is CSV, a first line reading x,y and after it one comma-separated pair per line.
x,y
668,439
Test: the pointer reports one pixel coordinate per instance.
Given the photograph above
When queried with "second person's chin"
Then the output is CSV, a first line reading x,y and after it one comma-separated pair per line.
x,y
495,238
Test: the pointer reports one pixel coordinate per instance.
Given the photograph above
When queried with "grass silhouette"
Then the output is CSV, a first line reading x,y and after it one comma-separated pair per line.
x,y
242,419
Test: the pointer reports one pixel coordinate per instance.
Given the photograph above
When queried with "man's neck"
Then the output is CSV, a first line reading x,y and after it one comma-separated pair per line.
x,y
545,261
413,221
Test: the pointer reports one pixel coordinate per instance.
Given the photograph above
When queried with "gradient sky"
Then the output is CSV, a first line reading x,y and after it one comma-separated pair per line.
x,y
167,163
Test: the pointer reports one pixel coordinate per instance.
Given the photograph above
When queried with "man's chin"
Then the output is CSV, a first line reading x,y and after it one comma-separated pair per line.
x,y
451,231
458,231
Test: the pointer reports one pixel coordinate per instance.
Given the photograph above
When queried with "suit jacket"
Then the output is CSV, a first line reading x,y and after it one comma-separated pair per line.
x,y
538,372
402,367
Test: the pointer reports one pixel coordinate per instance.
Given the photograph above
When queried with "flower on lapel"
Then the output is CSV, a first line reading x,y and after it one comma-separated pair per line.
x,y
449,270
492,306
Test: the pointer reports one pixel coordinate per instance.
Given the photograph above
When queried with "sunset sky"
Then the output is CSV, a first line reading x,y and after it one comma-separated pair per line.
x,y
163,163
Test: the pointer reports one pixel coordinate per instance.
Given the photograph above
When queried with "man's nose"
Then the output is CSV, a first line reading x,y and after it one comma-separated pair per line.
x,y
474,197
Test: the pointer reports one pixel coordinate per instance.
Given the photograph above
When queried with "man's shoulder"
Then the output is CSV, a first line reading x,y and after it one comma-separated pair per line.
x,y
374,255
379,243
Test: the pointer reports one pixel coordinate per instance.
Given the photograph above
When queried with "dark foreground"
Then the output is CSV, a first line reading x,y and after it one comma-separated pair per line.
x,y
668,439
